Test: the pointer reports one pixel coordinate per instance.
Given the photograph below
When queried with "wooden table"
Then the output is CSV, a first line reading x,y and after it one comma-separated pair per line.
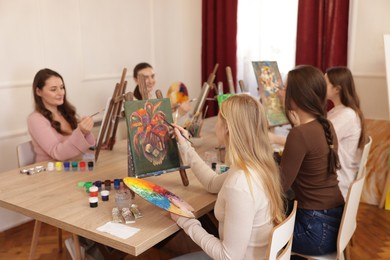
x,y
55,198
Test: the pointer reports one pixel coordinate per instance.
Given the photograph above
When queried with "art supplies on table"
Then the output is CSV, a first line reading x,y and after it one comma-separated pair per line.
x,y
33,170
159,196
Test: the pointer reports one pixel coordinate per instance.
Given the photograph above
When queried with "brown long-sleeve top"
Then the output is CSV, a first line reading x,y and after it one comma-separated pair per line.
x,y
304,167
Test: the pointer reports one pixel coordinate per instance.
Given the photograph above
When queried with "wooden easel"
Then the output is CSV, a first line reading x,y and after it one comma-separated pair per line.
x,y
110,122
207,86
144,94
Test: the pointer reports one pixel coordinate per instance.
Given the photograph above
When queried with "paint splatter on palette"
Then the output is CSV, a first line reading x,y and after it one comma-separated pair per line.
x,y
159,196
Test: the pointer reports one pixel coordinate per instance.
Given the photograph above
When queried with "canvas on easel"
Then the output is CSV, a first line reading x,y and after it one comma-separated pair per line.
x,y
270,83
151,147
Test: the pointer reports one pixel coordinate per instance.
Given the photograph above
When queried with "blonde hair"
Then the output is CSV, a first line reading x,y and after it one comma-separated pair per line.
x,y
248,147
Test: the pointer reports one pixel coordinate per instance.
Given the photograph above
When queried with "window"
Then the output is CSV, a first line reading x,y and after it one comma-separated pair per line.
x,y
266,30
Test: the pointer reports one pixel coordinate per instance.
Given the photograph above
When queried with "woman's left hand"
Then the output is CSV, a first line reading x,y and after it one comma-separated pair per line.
x,y
174,216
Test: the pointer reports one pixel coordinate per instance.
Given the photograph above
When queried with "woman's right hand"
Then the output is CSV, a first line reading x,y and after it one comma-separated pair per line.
x,y
180,131
86,125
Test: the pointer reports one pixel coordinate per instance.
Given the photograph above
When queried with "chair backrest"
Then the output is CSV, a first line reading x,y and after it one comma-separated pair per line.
x,y
348,220
363,161
25,153
280,241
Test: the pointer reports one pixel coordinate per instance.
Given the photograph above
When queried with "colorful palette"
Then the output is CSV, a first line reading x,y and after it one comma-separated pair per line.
x,y
159,196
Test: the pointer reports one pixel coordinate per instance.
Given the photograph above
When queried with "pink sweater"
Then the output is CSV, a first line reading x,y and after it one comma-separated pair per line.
x,y
51,145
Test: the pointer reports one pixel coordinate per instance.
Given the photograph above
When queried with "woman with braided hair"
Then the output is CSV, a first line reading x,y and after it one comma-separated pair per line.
x,y
309,163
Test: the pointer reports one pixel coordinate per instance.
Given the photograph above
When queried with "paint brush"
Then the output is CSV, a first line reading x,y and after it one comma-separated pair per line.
x,y
174,127
94,114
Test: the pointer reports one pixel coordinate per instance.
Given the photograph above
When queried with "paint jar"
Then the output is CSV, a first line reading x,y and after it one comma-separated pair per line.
x,y
67,166
223,168
75,166
210,157
107,184
93,191
214,166
123,199
88,157
58,166
98,184
82,166
50,166
221,153
87,185
90,166
93,202
105,194
117,184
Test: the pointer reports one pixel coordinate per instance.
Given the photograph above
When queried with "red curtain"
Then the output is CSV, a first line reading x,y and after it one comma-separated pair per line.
x,y
322,33
219,30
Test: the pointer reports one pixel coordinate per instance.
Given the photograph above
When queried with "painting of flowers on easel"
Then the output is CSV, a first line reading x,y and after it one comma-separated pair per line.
x,y
270,83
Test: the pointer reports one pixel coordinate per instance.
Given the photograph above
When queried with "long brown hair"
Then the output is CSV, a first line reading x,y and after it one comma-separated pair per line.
x,y
342,78
306,87
248,147
67,110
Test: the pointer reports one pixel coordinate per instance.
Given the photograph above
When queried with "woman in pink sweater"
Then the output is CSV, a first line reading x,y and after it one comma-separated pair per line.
x,y
56,132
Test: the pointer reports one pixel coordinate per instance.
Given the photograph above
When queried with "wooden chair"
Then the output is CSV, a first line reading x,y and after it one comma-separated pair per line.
x,y
281,238
348,222
26,156
25,153
363,161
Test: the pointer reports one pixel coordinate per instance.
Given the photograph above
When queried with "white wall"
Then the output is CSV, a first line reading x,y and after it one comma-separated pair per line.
x,y
369,21
89,42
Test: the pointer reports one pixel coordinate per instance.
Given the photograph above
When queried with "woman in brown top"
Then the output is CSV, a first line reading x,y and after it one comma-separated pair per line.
x,y
309,163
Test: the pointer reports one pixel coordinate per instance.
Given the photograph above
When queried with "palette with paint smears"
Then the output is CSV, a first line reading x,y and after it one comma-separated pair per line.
x,y
159,196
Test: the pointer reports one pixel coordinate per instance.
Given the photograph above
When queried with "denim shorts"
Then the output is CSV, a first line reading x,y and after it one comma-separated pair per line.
x,y
316,231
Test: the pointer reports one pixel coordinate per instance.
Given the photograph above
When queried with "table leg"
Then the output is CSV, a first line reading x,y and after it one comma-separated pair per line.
x,y
34,241
77,246
59,240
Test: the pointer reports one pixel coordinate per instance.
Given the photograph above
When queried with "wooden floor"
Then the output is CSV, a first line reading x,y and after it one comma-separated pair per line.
x,y
371,240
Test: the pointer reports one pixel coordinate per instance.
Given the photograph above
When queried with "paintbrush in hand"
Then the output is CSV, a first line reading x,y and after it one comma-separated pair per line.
x,y
174,127
94,114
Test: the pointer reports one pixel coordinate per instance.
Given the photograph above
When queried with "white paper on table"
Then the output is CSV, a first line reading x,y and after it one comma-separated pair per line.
x,y
118,230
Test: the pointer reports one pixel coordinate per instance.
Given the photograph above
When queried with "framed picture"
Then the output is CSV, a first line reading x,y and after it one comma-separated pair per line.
x,y
270,83
151,149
